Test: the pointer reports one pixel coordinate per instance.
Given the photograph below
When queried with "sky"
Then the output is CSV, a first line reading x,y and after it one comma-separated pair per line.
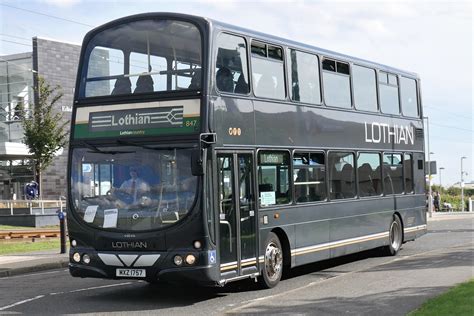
x,y
431,38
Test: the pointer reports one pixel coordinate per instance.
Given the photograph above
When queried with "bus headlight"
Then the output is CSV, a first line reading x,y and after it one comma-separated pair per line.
x,y
73,243
197,244
86,258
178,260
190,259
76,257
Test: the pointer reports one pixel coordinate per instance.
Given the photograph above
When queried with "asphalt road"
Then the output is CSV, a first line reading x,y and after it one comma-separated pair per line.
x,y
361,284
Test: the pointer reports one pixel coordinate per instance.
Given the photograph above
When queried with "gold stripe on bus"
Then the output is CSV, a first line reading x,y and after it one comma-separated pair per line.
x,y
233,265
336,244
415,228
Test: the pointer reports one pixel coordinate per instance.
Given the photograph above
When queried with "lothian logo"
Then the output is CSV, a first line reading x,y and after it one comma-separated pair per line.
x,y
129,244
136,119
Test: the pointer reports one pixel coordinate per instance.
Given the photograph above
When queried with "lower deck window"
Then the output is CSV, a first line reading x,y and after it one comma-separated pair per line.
x,y
274,178
393,173
341,175
309,177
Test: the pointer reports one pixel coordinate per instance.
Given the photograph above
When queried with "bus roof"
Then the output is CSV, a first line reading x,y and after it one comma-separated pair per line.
x,y
258,35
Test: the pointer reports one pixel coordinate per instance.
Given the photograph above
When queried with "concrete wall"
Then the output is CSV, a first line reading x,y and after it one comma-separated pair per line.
x,y
57,63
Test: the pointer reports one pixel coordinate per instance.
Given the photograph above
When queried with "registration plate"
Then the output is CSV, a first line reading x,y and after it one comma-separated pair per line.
x,y
131,273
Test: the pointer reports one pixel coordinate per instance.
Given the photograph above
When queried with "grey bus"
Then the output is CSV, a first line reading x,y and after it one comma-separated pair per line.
x,y
210,153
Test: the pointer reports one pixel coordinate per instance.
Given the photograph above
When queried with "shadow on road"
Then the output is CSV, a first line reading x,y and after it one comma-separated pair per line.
x,y
384,303
454,258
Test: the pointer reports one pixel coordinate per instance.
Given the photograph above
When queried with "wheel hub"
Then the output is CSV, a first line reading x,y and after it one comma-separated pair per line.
x,y
395,235
273,261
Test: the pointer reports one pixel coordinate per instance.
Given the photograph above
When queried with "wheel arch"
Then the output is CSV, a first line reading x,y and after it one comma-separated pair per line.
x,y
285,244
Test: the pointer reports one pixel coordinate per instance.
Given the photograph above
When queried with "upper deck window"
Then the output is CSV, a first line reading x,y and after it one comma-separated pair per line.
x,y
409,99
365,91
336,84
304,77
144,56
388,87
267,71
231,64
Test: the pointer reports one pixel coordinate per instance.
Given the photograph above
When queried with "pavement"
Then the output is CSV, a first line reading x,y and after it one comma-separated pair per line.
x,y
16,264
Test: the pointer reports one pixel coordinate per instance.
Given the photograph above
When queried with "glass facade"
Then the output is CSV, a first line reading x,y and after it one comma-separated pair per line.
x,y
16,94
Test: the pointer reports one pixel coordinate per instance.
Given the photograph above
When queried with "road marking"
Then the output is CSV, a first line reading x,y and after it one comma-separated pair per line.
x,y
21,302
99,287
59,293
252,302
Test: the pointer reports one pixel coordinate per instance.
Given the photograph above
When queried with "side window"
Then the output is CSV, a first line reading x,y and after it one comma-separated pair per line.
x,y
393,173
408,172
388,87
231,64
409,98
304,77
336,84
309,176
267,71
341,175
369,174
274,178
365,91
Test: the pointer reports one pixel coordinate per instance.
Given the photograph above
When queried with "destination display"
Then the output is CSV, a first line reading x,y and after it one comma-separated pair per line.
x,y
270,158
149,119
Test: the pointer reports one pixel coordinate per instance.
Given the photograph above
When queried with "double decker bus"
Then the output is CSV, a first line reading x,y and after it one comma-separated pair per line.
x,y
209,153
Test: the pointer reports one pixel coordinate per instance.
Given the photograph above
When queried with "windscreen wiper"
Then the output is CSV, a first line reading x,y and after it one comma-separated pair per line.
x,y
99,151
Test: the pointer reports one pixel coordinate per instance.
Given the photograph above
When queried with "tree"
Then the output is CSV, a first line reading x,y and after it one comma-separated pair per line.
x,y
45,129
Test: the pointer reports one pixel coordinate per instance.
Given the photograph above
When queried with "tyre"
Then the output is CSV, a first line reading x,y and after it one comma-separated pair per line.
x,y
273,262
395,237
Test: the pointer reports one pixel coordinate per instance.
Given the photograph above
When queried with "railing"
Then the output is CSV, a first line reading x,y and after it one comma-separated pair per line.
x,y
32,205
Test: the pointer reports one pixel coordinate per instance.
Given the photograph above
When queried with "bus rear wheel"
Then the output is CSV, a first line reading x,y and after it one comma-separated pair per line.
x,y
273,262
395,237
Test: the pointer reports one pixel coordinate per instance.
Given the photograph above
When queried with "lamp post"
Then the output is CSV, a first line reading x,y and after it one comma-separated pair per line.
x,y
430,200
440,188
430,204
462,185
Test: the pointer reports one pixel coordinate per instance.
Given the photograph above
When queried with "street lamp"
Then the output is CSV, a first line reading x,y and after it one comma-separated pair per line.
x,y
462,185
440,188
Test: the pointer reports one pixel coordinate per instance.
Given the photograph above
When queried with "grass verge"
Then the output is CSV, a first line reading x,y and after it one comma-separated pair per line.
x,y
14,247
8,227
457,301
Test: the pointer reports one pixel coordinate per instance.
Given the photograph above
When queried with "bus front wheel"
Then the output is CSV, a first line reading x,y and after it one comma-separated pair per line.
x,y
273,262
395,237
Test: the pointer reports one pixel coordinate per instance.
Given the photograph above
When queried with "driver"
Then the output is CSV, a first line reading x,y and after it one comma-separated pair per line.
x,y
135,187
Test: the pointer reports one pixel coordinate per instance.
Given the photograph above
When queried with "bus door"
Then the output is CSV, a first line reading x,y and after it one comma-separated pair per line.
x,y
237,216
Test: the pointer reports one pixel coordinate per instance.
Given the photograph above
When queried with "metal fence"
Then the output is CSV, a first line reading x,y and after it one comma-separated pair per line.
x,y
33,206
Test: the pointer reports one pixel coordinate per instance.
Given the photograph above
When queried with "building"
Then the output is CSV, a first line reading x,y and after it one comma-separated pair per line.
x,y
57,63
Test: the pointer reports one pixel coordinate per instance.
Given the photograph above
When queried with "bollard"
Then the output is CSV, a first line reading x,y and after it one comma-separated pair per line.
x,y
62,228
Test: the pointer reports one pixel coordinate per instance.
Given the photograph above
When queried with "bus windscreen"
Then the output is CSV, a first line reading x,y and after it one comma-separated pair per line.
x,y
131,188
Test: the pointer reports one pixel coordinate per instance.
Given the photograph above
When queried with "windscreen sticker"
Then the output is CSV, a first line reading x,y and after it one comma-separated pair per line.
x,y
267,198
110,218
90,212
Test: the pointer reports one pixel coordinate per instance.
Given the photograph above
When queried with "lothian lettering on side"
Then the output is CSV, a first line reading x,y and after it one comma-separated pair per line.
x,y
386,134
